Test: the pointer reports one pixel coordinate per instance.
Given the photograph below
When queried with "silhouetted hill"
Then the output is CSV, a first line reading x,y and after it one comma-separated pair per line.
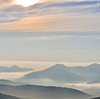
x,y
14,69
3,96
43,92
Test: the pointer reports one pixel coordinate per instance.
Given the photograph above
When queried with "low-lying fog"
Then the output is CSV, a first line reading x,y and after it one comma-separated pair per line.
x,y
12,75
86,87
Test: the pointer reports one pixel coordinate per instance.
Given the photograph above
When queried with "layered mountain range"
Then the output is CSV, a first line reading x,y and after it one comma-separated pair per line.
x,y
62,73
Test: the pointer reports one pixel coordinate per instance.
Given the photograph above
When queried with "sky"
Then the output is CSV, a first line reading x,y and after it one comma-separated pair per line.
x,y
49,32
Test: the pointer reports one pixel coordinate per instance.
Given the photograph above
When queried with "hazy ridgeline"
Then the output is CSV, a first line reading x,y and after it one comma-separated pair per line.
x,y
42,92
58,73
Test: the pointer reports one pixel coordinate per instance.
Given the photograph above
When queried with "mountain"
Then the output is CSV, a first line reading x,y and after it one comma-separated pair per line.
x,y
66,74
58,72
14,69
43,92
3,96
90,72
90,69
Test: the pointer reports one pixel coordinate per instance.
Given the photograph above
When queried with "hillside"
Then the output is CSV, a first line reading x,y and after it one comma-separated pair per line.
x,y
3,96
43,92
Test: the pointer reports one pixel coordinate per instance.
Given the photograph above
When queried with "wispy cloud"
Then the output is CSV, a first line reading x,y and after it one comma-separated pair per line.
x,y
10,12
44,36
65,29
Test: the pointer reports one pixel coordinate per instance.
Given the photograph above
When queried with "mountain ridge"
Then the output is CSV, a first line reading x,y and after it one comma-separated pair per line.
x,y
60,72
43,92
57,72
14,68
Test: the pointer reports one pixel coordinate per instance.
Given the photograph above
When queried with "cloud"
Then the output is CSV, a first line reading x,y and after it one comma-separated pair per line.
x,y
47,36
10,12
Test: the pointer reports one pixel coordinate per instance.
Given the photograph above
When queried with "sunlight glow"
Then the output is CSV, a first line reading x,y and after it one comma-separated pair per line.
x,y
25,3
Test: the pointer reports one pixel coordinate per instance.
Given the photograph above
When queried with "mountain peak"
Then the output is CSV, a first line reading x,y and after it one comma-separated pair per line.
x,y
15,66
94,65
59,66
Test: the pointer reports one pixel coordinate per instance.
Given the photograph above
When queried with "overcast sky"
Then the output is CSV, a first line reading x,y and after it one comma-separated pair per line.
x,y
49,32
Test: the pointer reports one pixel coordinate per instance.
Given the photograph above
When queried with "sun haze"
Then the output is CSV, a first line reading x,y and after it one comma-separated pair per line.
x,y
26,3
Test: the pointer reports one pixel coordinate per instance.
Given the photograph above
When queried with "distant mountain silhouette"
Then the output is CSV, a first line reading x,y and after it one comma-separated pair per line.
x,y
3,96
43,92
89,73
14,69
58,72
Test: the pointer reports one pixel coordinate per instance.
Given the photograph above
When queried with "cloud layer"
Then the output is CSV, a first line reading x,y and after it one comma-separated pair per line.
x,y
44,36
10,12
